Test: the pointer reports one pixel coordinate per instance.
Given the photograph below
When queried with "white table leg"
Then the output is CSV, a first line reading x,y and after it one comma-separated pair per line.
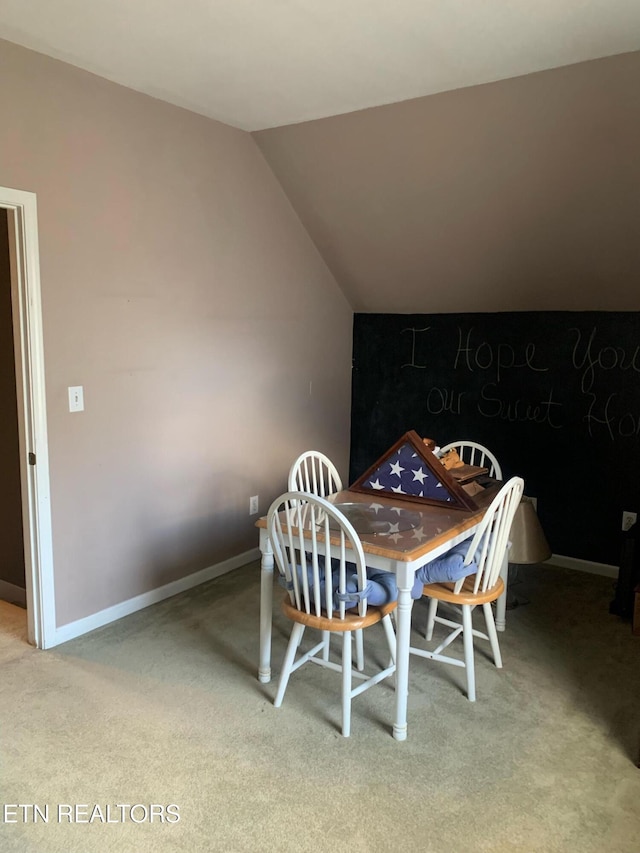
x,y
403,632
266,611
501,603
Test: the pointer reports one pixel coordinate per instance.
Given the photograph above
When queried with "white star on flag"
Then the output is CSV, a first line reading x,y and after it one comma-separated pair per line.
x,y
376,485
419,475
396,468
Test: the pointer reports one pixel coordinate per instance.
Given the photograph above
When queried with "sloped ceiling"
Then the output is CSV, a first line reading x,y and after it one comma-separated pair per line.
x,y
256,65
522,194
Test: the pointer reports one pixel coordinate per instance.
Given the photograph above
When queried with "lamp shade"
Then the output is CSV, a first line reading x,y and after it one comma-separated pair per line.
x,y
528,542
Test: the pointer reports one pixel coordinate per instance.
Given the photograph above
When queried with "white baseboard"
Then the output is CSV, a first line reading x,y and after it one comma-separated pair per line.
x,y
13,594
584,565
104,617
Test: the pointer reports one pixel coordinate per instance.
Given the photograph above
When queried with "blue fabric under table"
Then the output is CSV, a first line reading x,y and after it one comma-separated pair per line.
x,y
382,587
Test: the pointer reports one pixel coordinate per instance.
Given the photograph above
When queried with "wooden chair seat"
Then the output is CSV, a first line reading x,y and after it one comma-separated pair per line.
x,y
352,620
445,592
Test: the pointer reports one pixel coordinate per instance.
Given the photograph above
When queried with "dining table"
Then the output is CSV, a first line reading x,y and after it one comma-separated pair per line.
x,y
397,536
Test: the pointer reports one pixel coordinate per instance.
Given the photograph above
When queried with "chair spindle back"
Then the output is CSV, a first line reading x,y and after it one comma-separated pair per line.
x,y
473,453
314,473
297,522
491,540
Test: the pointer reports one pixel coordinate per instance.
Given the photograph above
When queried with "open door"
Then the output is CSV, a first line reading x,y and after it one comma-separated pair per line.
x,y
12,581
32,415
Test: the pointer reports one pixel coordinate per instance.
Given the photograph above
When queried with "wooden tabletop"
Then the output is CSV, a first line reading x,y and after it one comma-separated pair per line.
x,y
421,527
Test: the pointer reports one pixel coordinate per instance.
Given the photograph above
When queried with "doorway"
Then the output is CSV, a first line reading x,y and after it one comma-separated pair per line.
x,y
12,575
19,242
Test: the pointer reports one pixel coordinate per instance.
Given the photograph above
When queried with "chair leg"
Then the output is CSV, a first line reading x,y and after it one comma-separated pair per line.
x,y
326,636
346,683
431,617
467,638
394,624
294,641
359,650
493,634
390,635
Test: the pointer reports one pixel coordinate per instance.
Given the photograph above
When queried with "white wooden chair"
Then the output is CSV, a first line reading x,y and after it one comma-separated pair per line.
x,y
473,453
487,550
315,473
315,602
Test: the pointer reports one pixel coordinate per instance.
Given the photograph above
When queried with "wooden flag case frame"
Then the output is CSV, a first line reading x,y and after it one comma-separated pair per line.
x,y
459,499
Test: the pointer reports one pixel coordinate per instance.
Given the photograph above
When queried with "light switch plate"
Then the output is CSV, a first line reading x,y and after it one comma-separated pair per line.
x,y
76,398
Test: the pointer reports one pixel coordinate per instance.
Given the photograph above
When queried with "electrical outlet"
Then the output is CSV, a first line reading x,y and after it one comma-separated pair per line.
x,y
629,519
253,505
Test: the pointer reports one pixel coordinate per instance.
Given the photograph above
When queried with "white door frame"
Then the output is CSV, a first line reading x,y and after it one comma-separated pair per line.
x,y
32,414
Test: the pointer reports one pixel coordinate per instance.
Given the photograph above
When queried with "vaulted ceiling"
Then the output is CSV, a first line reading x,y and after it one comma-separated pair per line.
x,y
258,65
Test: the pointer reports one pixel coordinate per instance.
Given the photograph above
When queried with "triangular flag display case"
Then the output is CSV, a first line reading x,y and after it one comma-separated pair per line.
x,y
410,471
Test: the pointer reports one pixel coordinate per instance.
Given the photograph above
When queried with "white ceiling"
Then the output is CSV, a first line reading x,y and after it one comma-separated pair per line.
x,y
264,63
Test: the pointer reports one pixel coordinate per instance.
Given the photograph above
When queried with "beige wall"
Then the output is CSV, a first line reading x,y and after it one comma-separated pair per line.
x,y
517,195
180,289
11,544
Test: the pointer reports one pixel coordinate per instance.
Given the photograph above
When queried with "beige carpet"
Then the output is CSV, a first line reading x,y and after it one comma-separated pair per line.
x,y
164,708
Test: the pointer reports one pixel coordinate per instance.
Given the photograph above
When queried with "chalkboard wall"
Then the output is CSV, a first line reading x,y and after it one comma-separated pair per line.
x,y
555,395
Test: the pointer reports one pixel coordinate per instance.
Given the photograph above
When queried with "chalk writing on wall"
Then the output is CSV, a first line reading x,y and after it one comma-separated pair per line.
x,y
555,395
587,357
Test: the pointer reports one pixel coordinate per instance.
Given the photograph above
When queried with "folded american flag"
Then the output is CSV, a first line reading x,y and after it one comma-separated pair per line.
x,y
404,472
